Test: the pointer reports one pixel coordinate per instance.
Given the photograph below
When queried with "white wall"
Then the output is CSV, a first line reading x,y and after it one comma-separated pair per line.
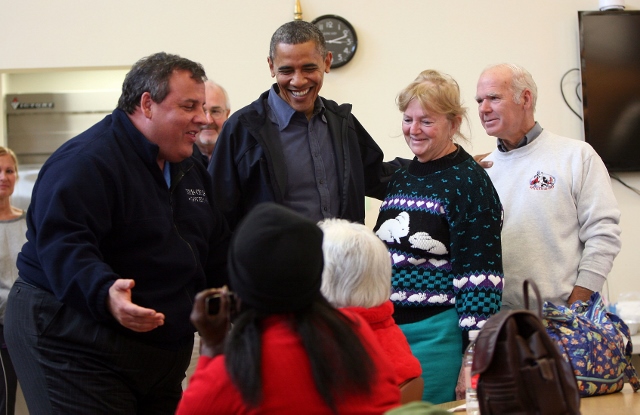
x,y
397,39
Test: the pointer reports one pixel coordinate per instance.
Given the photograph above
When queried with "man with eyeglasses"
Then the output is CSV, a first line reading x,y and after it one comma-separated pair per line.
x,y
217,109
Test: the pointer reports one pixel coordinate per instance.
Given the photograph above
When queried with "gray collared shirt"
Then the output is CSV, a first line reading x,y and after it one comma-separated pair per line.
x,y
312,179
528,138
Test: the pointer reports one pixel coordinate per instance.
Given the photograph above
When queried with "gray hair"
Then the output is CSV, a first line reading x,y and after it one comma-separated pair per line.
x,y
357,267
296,32
521,79
151,74
227,103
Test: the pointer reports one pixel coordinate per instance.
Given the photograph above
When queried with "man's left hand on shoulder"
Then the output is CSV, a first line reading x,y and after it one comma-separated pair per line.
x,y
479,159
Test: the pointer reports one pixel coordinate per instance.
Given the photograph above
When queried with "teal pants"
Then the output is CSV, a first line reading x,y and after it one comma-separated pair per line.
x,y
437,343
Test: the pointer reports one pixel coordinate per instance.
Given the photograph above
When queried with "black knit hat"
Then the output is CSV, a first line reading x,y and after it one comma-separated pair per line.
x,y
275,259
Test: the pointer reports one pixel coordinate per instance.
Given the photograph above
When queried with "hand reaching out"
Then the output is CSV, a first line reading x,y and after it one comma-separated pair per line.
x,y
131,316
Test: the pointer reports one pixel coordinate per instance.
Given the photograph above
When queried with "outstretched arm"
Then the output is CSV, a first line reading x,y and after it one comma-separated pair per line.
x,y
128,314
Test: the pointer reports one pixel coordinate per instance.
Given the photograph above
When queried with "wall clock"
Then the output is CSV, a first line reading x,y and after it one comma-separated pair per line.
x,y
340,37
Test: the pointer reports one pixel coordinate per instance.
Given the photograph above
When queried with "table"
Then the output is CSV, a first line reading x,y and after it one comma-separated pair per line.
x,y
622,403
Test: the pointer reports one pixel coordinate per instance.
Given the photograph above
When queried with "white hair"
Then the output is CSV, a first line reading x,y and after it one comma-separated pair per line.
x,y
357,266
521,79
227,103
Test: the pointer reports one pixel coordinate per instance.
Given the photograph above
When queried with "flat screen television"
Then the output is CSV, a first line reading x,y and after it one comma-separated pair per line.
x,y
610,70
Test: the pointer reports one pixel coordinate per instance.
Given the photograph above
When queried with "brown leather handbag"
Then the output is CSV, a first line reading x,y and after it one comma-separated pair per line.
x,y
521,370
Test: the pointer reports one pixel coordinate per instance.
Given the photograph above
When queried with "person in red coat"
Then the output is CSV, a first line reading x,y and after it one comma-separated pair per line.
x,y
288,351
357,278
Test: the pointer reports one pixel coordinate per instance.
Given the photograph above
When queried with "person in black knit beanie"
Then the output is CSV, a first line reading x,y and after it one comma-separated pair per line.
x,y
289,351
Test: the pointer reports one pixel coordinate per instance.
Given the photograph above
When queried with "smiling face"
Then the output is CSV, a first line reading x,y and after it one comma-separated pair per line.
x,y
174,123
428,134
217,113
499,114
8,175
299,71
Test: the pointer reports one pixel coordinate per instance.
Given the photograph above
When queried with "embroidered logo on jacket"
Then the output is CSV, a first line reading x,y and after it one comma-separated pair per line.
x,y
196,195
542,181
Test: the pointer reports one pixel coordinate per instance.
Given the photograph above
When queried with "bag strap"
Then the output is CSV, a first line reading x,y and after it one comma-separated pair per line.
x,y
525,290
488,338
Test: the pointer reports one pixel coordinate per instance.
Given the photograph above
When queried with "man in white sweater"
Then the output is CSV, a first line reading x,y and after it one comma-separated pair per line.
x,y
560,214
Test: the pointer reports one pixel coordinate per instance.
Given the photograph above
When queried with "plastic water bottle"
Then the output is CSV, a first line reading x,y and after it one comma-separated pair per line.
x,y
471,382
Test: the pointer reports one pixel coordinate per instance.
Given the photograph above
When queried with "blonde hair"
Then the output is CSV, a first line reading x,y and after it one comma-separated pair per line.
x,y
357,267
7,151
436,92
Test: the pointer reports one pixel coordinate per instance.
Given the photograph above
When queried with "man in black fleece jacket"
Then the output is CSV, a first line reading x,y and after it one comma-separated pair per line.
x,y
122,233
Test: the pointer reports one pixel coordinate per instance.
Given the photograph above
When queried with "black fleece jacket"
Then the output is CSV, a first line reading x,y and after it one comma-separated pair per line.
x,y
248,164
101,210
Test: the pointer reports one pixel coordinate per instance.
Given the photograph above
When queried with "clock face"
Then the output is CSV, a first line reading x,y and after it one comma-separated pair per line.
x,y
340,38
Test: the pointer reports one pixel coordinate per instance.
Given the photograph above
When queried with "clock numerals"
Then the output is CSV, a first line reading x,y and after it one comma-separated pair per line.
x,y
342,55
340,38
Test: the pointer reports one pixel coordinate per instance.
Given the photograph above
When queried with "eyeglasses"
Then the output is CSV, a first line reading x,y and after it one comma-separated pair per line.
x,y
216,112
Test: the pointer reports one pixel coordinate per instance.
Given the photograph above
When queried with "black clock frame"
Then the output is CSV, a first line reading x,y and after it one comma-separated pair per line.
x,y
353,47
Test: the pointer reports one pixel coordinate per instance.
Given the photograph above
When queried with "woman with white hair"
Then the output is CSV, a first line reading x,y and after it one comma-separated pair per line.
x,y
357,278
289,351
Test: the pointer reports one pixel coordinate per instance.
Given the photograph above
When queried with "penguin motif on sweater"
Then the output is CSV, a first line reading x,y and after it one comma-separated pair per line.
x,y
394,229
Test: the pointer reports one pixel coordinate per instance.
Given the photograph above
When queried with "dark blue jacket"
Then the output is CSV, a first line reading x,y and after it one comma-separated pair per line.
x,y
248,164
101,210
